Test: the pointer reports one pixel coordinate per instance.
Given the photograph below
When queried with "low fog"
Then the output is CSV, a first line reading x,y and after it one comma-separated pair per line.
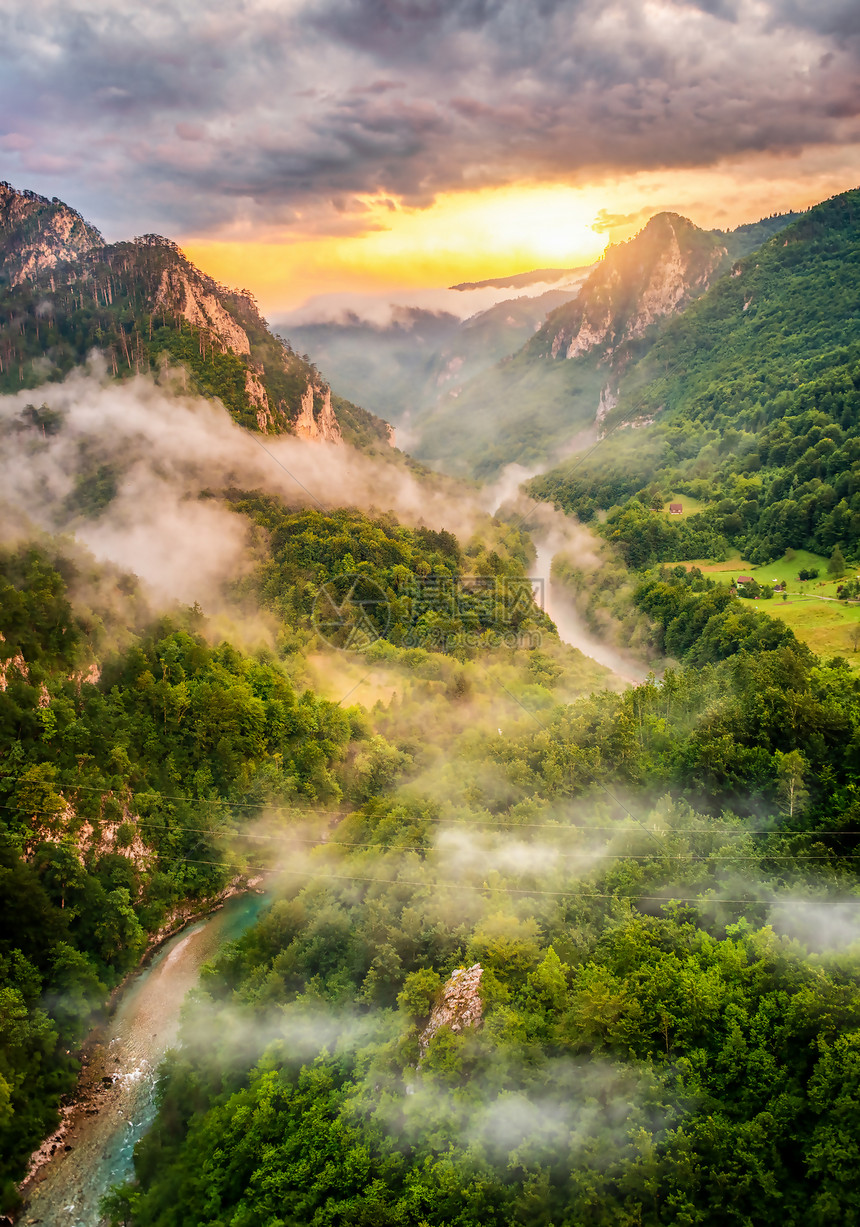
x,y
385,308
121,467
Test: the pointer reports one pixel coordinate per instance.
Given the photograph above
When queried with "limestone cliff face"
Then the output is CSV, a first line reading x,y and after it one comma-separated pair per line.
x,y
143,303
637,284
188,296
37,234
316,419
258,399
459,1006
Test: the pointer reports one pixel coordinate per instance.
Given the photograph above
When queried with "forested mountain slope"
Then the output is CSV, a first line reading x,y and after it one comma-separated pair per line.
x,y
565,379
63,293
753,394
665,1024
136,751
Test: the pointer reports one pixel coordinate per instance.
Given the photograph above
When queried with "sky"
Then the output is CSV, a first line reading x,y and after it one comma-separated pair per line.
x,y
305,147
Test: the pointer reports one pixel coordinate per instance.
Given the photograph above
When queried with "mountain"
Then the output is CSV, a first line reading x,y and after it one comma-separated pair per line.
x,y
64,292
542,400
517,281
748,401
638,283
552,395
402,367
37,234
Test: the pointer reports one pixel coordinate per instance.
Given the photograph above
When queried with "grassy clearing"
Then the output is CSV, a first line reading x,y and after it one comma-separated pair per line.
x,y
785,570
691,505
828,626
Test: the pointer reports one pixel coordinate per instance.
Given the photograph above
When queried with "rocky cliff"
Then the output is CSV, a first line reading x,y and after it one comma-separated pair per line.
x,y
636,285
64,292
37,234
459,1005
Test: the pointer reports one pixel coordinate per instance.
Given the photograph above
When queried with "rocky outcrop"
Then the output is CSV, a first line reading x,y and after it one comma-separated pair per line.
x,y
636,285
316,419
590,334
87,677
37,234
180,293
608,401
16,662
258,399
459,1005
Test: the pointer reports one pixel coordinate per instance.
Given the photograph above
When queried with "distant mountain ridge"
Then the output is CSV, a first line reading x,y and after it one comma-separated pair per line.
x,y
517,281
64,292
403,367
555,392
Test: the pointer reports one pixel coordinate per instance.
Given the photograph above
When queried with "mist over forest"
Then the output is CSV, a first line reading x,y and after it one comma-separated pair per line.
x,y
430,715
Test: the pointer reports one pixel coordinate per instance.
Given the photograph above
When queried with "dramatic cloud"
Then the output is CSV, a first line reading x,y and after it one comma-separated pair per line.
x,y
291,116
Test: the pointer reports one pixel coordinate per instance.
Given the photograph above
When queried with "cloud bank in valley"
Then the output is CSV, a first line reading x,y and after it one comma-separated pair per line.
x,y
195,117
160,450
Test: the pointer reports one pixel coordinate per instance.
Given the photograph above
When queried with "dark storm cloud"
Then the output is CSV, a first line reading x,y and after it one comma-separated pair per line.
x,y
194,116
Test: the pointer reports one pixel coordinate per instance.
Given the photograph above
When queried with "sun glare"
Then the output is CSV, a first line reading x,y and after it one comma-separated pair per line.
x,y
472,235
511,229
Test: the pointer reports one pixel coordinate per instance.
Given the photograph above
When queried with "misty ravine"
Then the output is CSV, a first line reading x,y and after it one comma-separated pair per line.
x,y
114,1104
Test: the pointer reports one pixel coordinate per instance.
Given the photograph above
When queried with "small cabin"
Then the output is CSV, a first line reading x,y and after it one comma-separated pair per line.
x,y
676,509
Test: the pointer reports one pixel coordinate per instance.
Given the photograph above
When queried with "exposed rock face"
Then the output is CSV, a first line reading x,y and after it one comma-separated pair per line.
x,y
37,234
316,418
258,398
143,304
16,662
637,284
88,677
201,309
608,401
460,1005
589,334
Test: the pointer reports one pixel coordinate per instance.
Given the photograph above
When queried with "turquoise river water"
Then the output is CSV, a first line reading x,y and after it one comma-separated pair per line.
x,y
116,1093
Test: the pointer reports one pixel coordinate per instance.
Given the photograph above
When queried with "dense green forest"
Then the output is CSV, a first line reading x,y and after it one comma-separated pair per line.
x,y
660,889
358,579
116,797
754,392
134,756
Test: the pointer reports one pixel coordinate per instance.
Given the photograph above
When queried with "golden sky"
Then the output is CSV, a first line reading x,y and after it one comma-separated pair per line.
x,y
471,235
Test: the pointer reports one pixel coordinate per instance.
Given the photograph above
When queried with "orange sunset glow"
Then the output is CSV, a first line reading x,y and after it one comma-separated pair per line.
x,y
471,235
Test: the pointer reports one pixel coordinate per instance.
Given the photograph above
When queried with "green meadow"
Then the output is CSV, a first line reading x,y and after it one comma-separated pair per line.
x,y
826,625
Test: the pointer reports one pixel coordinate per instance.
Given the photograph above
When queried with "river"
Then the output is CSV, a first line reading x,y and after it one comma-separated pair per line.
x,y
570,623
116,1090
116,1100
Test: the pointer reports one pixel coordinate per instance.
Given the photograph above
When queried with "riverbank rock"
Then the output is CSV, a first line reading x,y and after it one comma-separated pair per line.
x,y
458,1007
